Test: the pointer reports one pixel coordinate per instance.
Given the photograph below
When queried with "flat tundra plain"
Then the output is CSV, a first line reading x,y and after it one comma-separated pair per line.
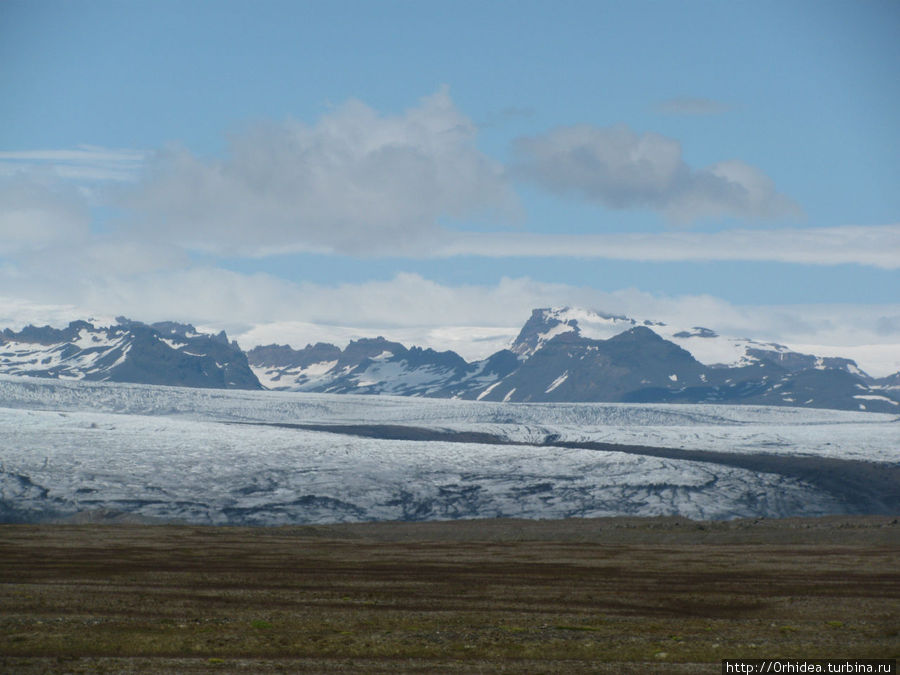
x,y
607,595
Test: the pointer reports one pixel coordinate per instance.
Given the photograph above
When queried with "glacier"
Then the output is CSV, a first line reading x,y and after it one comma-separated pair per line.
x,y
210,456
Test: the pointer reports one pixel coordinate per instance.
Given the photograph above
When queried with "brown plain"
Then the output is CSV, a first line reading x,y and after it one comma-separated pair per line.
x,y
618,595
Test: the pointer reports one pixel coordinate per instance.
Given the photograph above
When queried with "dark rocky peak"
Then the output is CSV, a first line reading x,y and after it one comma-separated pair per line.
x,y
43,335
417,357
273,355
174,328
795,361
783,357
839,363
284,356
547,323
367,348
185,331
568,339
634,340
638,335
47,335
131,351
501,363
539,325
697,331
642,347
889,380
125,322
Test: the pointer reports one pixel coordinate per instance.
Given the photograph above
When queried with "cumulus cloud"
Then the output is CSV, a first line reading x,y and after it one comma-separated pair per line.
x,y
620,169
355,182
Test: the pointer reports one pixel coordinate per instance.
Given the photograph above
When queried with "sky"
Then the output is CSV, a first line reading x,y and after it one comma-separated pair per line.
x,y
432,171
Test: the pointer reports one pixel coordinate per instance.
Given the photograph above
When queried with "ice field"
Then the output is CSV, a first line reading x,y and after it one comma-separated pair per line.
x,y
180,454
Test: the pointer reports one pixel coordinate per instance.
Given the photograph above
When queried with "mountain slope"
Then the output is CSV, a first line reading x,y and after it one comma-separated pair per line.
x,y
569,367
559,355
375,366
705,344
164,353
578,355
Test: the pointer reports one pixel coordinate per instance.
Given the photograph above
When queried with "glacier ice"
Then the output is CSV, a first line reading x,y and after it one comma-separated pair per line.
x,y
181,454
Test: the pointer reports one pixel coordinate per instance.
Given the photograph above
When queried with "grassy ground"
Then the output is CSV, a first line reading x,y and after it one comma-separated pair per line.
x,y
601,596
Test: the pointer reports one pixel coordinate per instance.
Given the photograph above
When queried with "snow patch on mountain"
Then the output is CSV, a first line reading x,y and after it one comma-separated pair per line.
x,y
558,381
704,344
487,391
870,397
546,324
605,357
127,351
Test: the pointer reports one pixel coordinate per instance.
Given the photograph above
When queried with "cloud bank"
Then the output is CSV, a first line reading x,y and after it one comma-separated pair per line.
x,y
620,169
474,319
876,246
40,211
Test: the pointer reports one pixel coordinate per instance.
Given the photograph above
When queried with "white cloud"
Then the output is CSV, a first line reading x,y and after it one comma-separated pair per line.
x,y
355,182
875,245
619,169
92,276
96,260
16,313
37,211
84,163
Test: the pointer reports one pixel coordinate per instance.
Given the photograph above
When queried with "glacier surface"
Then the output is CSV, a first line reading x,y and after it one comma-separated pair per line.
x,y
214,456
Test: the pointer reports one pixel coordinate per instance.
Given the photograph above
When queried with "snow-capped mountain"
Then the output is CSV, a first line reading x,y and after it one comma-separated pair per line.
x,y
579,355
704,344
129,351
569,367
559,355
376,366
546,324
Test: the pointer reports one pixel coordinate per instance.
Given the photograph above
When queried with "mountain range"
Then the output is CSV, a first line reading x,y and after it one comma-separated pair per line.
x,y
559,355
130,351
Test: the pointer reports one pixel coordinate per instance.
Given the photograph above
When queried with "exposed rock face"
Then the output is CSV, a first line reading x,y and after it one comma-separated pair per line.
x,y
559,355
577,355
163,353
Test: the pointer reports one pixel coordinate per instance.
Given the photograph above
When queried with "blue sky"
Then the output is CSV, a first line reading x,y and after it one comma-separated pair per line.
x,y
411,167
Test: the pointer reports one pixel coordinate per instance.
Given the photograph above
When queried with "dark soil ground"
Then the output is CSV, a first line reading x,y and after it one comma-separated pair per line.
x,y
624,595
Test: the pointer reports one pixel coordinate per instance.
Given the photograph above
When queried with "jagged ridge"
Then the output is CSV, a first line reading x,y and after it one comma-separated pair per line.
x,y
577,355
559,355
164,353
